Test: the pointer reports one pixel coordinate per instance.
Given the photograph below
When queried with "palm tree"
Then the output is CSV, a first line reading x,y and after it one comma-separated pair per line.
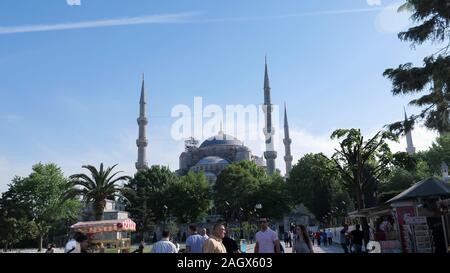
x,y
97,188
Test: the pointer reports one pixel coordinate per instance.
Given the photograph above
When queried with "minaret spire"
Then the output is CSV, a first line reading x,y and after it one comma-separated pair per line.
x,y
410,149
142,121
270,154
287,144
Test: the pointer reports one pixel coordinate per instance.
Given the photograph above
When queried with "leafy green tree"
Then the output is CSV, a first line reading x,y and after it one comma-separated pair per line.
x,y
40,196
13,230
234,192
190,197
359,161
138,205
439,152
102,185
310,183
273,195
432,24
256,171
148,195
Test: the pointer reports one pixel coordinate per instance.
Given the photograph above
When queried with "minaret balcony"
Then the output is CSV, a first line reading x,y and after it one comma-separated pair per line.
x,y
288,158
142,121
270,154
271,133
142,142
287,141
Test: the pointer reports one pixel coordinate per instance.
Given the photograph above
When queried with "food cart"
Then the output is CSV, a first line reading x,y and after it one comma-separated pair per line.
x,y
107,234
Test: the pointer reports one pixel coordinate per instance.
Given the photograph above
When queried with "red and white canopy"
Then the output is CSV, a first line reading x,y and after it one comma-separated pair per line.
x,y
105,226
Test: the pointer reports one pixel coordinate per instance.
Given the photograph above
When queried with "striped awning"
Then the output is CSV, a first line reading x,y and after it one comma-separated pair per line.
x,y
105,226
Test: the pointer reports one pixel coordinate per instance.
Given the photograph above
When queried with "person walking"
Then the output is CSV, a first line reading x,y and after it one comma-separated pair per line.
x,y
302,242
291,237
330,237
214,243
318,237
230,244
141,247
50,248
266,239
343,238
357,237
78,243
311,236
164,245
204,233
286,239
323,234
195,241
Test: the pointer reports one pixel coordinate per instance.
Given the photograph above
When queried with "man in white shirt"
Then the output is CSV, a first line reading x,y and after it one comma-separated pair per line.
x,y
330,237
266,239
194,243
164,245
78,244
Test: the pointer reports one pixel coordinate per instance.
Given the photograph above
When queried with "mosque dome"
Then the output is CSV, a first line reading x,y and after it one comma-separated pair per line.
x,y
221,139
212,160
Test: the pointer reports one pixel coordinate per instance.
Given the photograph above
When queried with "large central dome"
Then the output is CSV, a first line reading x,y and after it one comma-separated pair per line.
x,y
221,139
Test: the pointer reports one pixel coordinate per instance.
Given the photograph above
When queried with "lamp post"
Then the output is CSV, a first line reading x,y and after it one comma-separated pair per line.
x,y
227,212
165,208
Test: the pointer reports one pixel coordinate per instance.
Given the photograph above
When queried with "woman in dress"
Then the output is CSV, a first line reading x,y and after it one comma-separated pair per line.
x,y
302,242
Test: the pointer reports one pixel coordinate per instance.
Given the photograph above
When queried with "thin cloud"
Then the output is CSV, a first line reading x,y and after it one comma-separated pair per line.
x,y
151,19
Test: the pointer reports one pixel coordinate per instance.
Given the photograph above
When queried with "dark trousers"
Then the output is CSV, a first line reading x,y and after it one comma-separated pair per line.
x,y
345,247
358,248
318,241
330,241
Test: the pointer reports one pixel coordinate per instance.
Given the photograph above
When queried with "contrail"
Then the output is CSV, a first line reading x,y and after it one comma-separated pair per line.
x,y
286,16
152,19
187,17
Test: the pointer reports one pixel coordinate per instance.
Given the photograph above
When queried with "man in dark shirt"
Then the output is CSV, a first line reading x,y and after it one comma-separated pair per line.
x,y
230,244
357,237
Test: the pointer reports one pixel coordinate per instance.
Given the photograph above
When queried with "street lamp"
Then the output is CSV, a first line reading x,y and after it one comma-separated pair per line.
x,y
165,208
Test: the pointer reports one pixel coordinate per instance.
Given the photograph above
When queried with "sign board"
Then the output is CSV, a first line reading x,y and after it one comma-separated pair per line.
x,y
415,220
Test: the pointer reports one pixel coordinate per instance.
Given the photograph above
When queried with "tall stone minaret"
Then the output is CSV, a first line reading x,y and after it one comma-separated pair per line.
x,y
142,121
287,144
410,149
270,154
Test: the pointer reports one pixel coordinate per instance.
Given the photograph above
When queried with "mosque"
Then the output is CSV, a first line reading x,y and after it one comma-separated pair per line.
x,y
218,151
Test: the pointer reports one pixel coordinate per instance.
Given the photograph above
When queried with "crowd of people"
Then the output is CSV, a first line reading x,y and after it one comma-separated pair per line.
x,y
300,239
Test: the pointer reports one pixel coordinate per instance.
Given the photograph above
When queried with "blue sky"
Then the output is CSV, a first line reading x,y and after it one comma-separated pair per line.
x,y
70,96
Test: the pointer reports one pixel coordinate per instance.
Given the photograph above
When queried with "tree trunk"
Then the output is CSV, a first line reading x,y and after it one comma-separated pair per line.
x,y
364,222
41,238
99,207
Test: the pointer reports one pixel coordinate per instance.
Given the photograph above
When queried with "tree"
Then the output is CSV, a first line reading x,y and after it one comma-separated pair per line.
x,y
439,152
97,188
433,21
359,161
149,194
310,183
190,197
39,198
234,192
273,195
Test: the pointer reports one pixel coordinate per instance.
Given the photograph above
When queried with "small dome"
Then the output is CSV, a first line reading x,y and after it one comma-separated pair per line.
x,y
212,160
221,139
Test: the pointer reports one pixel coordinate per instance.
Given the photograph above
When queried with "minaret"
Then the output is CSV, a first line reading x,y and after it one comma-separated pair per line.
x,y
287,144
270,154
410,149
142,121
